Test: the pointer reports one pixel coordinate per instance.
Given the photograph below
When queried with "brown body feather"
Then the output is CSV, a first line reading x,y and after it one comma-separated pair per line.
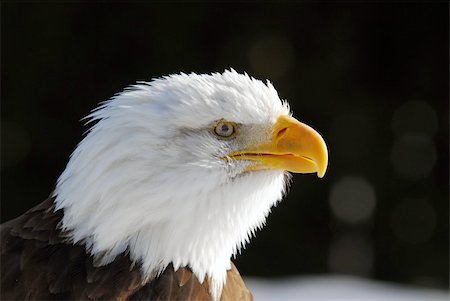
x,y
37,263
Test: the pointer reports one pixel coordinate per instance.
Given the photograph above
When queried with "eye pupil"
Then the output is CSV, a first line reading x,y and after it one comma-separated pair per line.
x,y
225,128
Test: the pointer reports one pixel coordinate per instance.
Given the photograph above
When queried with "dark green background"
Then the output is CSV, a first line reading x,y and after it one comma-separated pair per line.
x,y
347,69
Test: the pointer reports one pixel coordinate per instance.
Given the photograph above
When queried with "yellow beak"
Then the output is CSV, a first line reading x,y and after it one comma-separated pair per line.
x,y
293,146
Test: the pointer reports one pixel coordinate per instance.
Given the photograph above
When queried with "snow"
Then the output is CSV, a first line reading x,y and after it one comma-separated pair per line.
x,y
337,288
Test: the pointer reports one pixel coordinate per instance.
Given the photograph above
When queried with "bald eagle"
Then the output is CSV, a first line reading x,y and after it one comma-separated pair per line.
x,y
172,179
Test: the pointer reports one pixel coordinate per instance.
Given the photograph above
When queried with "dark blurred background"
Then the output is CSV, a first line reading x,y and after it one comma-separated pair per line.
x,y
372,78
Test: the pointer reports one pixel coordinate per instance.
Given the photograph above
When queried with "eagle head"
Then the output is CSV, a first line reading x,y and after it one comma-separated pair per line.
x,y
182,170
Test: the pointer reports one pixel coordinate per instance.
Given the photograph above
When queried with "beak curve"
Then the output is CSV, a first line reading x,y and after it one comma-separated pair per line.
x,y
293,146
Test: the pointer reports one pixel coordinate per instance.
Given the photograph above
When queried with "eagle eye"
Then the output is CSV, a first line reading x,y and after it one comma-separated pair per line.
x,y
224,129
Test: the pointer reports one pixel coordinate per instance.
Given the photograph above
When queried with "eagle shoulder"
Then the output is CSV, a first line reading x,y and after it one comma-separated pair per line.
x,y
39,263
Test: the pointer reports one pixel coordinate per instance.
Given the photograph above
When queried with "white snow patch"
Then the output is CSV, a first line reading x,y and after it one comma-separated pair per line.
x,y
337,288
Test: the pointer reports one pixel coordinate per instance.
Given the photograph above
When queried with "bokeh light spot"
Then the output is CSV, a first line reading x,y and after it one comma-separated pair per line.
x,y
413,156
352,199
415,117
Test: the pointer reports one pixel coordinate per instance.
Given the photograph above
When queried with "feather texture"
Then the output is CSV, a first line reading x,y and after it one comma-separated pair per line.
x,y
149,177
39,264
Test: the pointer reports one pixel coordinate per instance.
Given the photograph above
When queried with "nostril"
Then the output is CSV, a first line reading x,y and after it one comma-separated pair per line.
x,y
281,132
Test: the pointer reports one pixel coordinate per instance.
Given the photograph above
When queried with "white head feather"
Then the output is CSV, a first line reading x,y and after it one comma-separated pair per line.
x,y
148,178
